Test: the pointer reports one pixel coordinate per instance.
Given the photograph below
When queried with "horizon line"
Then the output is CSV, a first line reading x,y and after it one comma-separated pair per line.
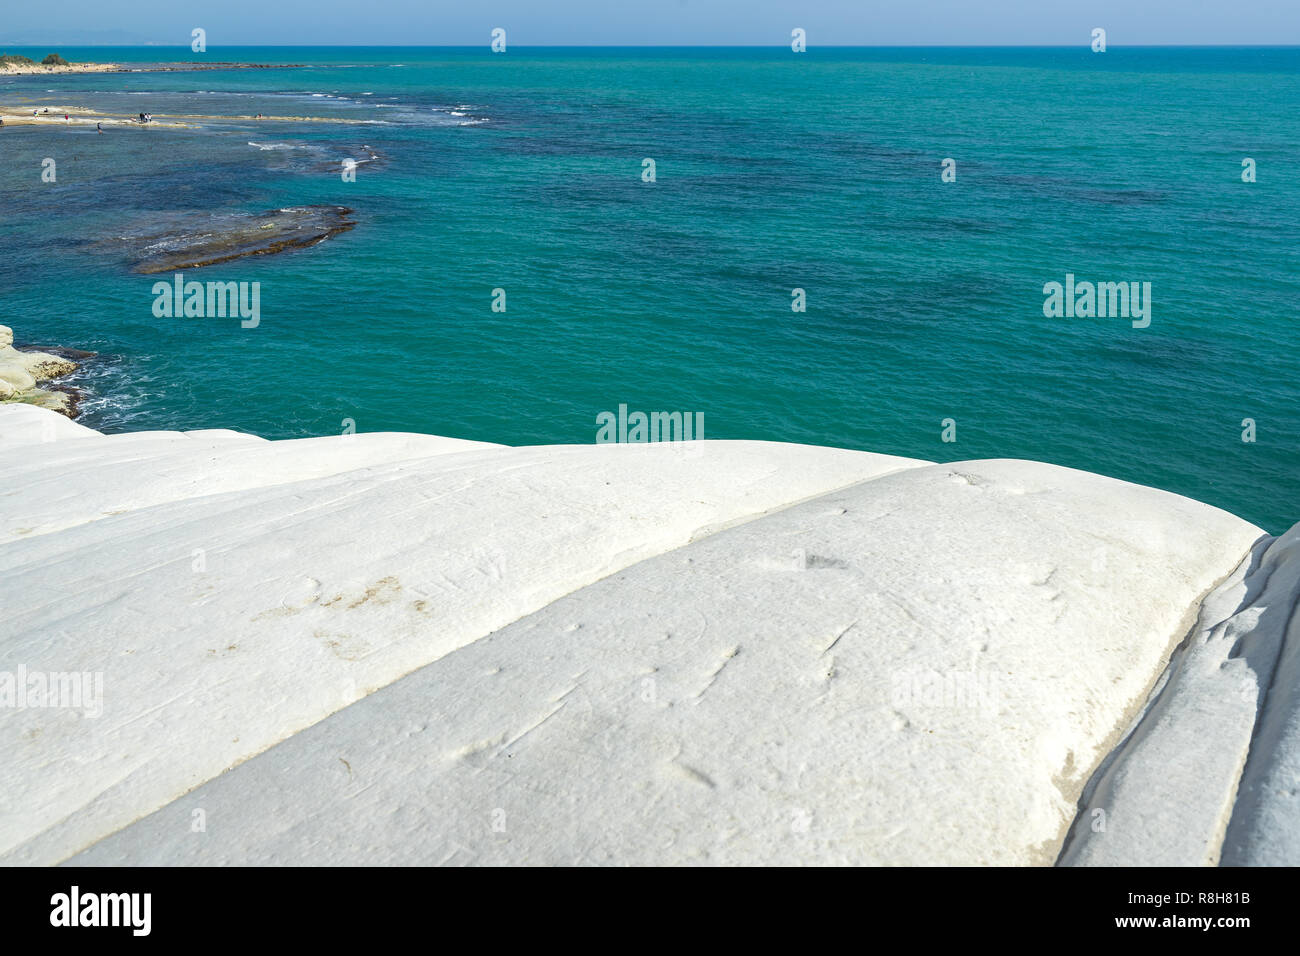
x,y
682,46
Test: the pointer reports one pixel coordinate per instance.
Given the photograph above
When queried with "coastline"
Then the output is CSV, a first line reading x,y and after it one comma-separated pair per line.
x,y
40,69
30,377
394,648
11,115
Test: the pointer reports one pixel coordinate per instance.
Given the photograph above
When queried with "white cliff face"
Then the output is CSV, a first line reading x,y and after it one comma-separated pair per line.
x,y
1166,793
1210,773
406,649
1265,826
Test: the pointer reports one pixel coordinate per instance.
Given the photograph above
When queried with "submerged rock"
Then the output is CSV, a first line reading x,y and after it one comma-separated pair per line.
x,y
192,240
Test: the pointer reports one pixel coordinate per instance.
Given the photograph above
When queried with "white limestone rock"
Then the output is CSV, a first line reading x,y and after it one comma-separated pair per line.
x,y
20,372
409,649
1265,825
29,425
921,669
225,622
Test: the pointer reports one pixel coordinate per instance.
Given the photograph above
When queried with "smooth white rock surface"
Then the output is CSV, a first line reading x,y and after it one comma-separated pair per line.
x,y
226,622
406,649
1166,796
788,714
141,469
29,425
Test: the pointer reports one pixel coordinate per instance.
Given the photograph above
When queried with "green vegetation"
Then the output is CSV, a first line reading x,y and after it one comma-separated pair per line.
x,y
14,59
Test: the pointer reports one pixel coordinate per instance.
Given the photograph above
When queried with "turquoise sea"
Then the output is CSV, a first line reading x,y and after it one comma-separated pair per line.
x,y
774,171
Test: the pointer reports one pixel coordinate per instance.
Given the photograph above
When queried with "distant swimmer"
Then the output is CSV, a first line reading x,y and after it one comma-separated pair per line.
x,y
99,127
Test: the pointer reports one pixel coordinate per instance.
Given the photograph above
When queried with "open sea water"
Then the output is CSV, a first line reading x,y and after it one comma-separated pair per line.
x,y
774,171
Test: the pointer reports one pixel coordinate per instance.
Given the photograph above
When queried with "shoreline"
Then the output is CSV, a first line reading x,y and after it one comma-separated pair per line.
x,y
41,69
11,115
30,377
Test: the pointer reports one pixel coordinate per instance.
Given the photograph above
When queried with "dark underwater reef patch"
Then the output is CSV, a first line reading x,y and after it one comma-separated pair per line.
x,y
192,240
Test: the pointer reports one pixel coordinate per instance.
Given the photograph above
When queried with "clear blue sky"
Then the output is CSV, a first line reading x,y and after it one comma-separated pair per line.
x,y
650,22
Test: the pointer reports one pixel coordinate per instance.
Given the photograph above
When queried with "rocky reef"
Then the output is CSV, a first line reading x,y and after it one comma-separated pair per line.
x,y
186,240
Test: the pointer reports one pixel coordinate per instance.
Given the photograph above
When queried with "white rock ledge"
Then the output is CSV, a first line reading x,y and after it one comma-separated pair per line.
x,y
21,372
414,650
